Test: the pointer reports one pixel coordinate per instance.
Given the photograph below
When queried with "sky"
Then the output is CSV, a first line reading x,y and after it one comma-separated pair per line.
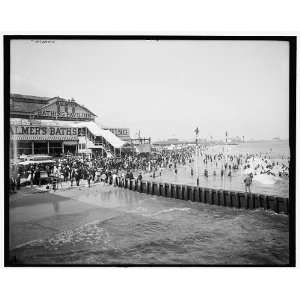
x,y
165,89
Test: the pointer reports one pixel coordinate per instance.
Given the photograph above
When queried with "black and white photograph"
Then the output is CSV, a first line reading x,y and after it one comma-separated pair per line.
x,y
150,150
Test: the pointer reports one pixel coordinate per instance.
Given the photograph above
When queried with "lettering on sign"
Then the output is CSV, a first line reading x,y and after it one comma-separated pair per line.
x,y
33,130
62,114
119,131
64,110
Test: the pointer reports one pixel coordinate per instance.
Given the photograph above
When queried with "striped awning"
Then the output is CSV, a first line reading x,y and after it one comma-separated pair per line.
x,y
27,137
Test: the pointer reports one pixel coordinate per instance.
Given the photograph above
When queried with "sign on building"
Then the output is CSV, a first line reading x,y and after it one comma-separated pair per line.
x,y
63,109
122,133
24,132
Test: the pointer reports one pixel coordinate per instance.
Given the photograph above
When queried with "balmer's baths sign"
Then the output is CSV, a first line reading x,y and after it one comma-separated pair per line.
x,y
33,130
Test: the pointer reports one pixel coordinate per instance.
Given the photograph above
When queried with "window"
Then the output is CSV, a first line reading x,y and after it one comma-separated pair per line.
x,y
24,148
40,148
55,148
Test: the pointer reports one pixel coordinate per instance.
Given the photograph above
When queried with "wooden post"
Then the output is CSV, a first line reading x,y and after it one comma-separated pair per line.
x,y
210,197
221,197
196,194
169,190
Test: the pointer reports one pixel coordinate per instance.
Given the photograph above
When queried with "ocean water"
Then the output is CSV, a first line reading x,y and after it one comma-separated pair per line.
x,y
274,149
277,150
144,229
109,225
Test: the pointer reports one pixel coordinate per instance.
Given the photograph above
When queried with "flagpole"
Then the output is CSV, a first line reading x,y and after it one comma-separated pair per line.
x,y
197,165
196,152
226,145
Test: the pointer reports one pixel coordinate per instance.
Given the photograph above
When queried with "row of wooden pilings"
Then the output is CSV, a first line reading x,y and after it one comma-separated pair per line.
x,y
209,196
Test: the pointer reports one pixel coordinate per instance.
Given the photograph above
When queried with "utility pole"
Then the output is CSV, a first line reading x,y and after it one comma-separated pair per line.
x,y
196,152
226,140
226,146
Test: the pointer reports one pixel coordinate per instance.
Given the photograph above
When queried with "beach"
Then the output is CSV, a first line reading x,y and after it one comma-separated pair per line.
x,y
108,225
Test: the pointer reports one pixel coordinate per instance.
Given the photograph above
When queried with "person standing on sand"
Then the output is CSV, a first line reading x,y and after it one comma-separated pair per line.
x,y
72,176
31,176
248,182
18,181
77,177
114,179
12,184
38,176
103,178
89,177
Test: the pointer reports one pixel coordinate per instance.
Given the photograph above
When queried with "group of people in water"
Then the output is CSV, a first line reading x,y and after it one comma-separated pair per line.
x,y
247,166
74,169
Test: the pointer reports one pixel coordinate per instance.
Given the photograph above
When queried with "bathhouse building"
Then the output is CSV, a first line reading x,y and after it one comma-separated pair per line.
x,y
55,126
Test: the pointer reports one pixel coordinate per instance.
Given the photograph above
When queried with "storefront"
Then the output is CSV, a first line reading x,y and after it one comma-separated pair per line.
x,y
55,126
28,139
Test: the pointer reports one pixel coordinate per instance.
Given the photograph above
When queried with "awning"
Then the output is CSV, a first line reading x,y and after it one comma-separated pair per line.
x,y
31,162
108,135
28,137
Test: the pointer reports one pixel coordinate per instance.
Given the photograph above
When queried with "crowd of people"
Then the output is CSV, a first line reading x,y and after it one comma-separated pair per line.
x,y
74,169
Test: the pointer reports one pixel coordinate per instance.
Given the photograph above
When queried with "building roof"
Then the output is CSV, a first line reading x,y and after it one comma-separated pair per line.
x,y
34,98
25,103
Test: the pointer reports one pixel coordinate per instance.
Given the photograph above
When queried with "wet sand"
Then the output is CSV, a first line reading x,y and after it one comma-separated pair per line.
x,y
38,215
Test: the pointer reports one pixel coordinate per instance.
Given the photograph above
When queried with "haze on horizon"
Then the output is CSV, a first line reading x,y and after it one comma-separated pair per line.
x,y
165,89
